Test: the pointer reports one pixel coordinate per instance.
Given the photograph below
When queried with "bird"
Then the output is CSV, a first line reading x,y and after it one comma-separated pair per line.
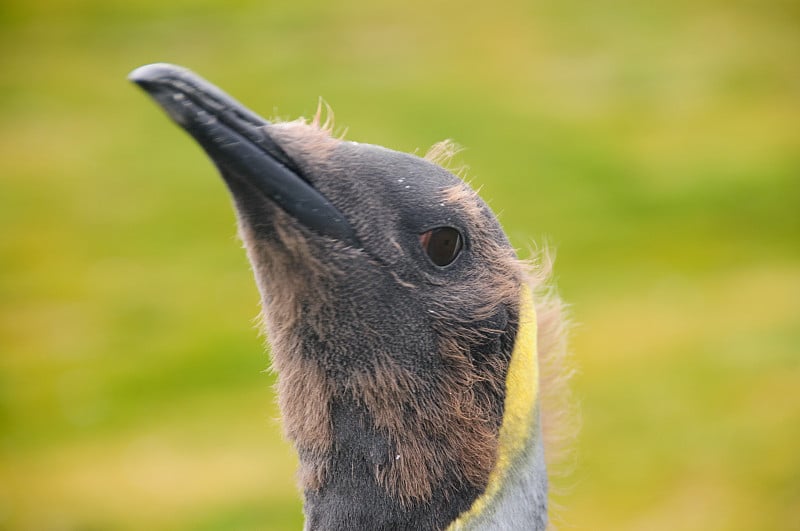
x,y
406,334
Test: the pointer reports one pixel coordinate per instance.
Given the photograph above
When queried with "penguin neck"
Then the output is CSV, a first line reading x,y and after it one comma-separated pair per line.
x,y
351,497
517,488
519,497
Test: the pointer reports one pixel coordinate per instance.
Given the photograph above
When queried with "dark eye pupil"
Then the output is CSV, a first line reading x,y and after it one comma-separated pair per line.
x,y
442,245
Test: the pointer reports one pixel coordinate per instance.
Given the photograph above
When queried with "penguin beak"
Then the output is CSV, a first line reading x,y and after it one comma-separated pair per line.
x,y
238,142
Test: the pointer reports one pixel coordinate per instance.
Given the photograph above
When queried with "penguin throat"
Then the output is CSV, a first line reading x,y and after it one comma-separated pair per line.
x,y
519,458
361,477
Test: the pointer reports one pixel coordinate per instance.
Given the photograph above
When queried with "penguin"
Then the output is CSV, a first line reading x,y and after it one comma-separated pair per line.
x,y
403,327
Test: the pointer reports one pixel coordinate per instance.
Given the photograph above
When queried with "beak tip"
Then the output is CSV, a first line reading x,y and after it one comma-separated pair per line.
x,y
155,72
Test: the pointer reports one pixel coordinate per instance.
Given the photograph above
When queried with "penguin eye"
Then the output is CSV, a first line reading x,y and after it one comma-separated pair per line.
x,y
442,244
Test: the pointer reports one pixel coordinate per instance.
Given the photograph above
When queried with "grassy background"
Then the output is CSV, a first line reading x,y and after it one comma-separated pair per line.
x,y
656,145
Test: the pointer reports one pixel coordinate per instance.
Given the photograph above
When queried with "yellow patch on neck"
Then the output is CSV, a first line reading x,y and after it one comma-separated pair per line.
x,y
522,387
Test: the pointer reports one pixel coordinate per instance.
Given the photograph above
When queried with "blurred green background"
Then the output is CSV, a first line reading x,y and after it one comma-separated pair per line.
x,y
655,145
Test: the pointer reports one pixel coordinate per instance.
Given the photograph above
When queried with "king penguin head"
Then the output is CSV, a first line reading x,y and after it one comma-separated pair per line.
x,y
399,318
